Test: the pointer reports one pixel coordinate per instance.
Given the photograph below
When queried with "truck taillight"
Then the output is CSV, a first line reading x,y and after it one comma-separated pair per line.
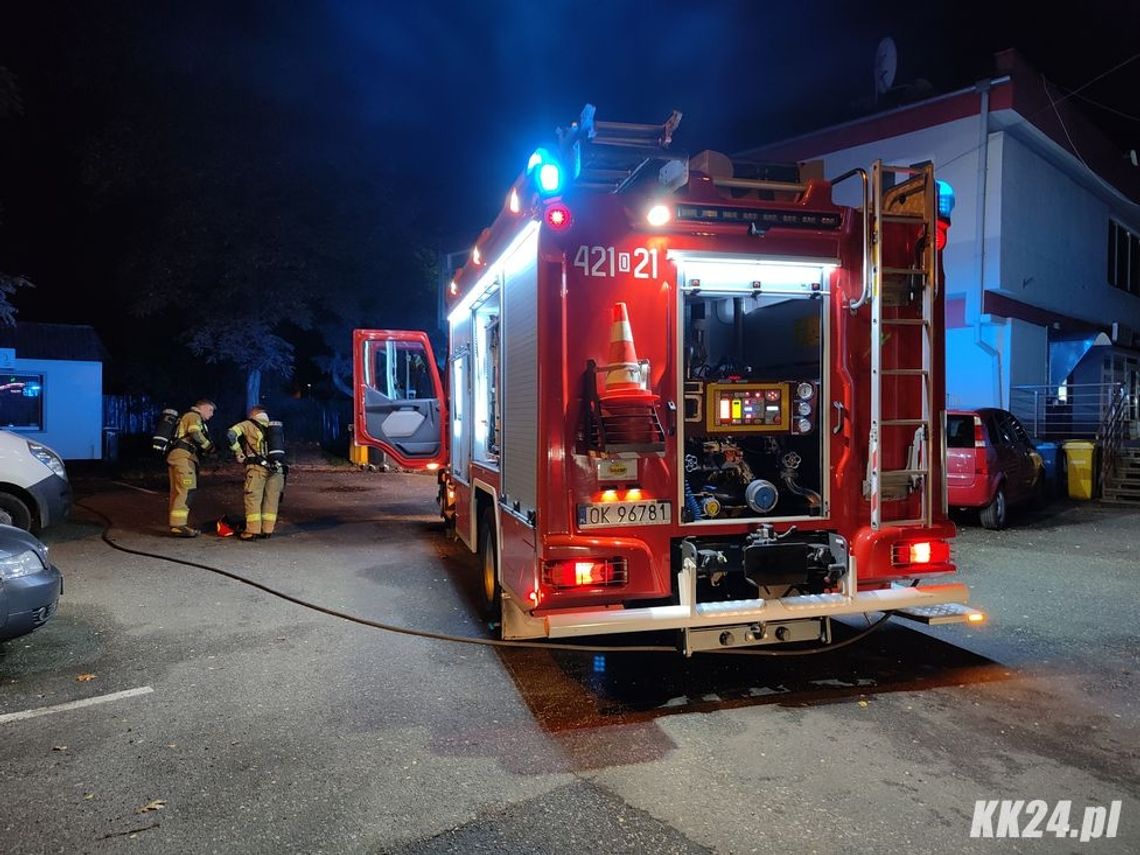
x,y
581,574
921,552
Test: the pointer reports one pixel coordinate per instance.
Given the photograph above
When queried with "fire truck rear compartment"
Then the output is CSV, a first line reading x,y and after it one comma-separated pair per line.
x,y
753,397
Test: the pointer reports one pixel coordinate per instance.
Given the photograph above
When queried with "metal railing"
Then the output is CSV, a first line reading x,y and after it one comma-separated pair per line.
x,y
1071,411
1113,433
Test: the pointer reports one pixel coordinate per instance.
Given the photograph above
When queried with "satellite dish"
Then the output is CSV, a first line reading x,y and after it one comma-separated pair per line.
x,y
886,64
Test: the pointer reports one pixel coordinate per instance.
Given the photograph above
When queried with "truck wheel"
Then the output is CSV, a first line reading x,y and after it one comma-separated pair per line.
x,y
993,515
14,512
489,569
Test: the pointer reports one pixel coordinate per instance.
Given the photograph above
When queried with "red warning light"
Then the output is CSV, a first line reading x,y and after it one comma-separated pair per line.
x,y
558,216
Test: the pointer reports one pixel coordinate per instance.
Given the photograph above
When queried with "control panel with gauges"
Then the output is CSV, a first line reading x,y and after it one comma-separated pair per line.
x,y
752,449
758,407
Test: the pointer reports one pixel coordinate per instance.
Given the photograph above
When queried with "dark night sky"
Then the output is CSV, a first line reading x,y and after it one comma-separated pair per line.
x,y
435,105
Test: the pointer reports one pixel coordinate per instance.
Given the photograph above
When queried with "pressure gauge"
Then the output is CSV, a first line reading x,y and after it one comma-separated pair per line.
x,y
804,426
803,408
804,391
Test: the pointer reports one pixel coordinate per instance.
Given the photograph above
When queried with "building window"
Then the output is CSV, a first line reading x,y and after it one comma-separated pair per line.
x,y
22,401
1123,258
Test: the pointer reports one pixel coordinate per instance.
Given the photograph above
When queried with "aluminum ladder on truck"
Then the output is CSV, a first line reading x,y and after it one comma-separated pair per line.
x,y
613,157
914,201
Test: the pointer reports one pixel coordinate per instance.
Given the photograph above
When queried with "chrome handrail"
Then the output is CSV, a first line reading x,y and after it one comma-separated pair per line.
x,y
865,295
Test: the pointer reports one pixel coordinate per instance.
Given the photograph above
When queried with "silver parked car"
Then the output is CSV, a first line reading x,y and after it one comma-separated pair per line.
x,y
30,585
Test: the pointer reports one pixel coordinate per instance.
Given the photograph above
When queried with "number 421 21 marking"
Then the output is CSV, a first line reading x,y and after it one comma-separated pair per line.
x,y
605,261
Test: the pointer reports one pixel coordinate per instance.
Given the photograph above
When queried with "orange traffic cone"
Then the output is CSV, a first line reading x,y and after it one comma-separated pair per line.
x,y
623,374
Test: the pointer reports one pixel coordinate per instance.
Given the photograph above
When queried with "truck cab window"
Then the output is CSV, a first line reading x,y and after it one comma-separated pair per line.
x,y
399,370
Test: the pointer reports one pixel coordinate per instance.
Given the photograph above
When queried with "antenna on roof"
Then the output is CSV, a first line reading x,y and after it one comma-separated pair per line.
x,y
886,64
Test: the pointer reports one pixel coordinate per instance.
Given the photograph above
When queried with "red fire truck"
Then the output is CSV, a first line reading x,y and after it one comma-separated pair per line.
x,y
687,394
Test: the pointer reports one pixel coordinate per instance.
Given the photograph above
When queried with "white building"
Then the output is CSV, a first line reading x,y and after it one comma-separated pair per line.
x,y
1043,259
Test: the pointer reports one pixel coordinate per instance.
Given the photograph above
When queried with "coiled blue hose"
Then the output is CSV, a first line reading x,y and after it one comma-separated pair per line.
x,y
691,504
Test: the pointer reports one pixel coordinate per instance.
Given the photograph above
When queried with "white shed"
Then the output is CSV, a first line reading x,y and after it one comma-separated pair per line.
x,y
51,386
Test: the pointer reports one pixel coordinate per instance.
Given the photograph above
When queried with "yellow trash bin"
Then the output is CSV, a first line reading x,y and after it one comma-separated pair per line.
x,y
1079,456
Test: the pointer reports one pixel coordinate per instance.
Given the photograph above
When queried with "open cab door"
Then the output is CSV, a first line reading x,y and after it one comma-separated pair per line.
x,y
399,405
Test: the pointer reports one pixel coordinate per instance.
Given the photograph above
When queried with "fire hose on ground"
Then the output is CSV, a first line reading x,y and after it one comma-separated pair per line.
x,y
460,639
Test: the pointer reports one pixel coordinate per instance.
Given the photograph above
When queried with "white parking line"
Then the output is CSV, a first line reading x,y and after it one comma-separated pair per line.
x,y
74,705
140,489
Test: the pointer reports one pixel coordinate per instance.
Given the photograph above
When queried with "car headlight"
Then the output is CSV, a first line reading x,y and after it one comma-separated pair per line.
x,y
48,458
20,564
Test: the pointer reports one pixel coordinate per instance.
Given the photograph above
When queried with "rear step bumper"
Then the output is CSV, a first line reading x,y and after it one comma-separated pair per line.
x,y
943,614
689,615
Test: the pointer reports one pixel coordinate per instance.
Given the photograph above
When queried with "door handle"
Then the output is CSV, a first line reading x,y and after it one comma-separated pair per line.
x,y
839,414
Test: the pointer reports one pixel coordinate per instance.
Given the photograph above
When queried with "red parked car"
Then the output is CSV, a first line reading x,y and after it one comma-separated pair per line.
x,y
991,463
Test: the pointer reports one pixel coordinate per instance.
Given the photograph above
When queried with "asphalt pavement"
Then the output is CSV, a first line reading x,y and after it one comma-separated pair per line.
x,y
210,716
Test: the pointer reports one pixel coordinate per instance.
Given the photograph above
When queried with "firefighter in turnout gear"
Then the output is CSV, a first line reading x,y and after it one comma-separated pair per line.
x,y
264,478
191,439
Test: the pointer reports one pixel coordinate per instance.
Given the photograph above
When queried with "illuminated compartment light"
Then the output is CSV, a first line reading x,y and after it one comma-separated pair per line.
x,y
659,215
743,274
528,234
513,202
